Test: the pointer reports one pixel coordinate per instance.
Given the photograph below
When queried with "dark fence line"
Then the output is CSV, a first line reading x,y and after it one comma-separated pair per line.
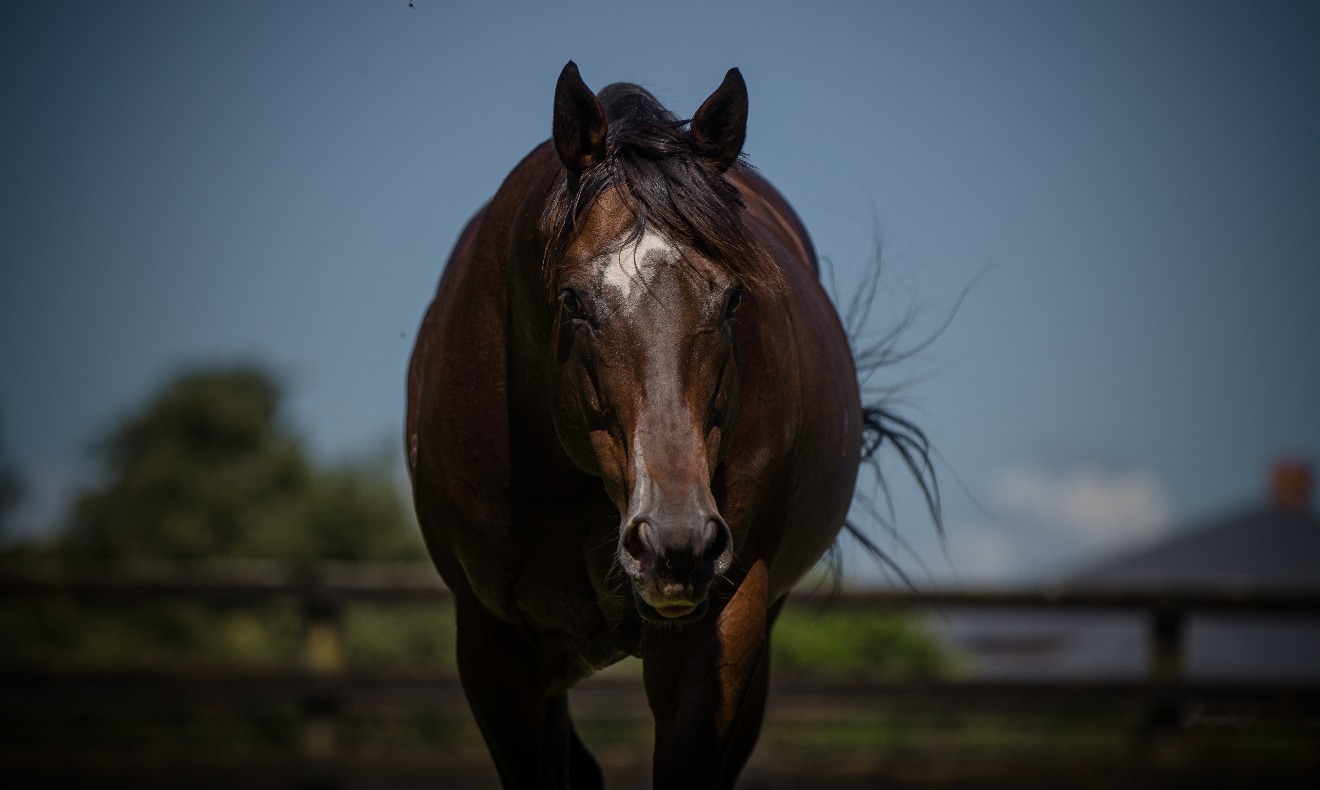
x,y
247,581
323,587
1162,704
230,583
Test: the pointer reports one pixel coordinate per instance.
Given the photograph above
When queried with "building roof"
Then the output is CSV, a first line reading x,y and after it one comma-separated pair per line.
x,y
1270,547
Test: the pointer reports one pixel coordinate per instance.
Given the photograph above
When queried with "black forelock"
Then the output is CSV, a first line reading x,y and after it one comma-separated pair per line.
x,y
669,186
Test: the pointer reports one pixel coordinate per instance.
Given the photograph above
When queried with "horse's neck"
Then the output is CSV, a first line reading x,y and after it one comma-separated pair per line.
x,y
529,313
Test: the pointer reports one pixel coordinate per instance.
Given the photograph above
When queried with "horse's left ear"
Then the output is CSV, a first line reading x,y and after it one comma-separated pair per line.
x,y
720,126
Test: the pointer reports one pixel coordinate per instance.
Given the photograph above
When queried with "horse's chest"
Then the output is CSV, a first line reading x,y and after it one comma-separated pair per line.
x,y
573,634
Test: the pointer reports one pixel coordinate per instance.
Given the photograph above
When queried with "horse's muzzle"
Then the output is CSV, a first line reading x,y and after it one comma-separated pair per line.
x,y
672,567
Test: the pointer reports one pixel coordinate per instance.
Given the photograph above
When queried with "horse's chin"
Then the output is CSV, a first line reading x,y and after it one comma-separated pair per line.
x,y
670,615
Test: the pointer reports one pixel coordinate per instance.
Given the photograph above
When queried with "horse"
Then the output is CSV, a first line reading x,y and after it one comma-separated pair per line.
x,y
633,424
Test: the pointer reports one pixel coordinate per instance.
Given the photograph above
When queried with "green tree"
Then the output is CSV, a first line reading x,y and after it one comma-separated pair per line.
x,y
210,468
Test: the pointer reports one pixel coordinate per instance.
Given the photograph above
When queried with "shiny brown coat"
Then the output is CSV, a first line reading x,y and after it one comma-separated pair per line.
x,y
612,461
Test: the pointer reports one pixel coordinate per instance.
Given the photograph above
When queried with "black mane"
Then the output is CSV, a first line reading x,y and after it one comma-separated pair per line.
x,y
666,182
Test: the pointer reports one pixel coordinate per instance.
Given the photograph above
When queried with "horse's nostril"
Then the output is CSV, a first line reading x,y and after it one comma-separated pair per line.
x,y
637,545
717,543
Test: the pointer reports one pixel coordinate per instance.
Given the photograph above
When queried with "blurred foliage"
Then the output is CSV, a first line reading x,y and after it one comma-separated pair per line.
x,y
403,637
209,469
874,643
188,635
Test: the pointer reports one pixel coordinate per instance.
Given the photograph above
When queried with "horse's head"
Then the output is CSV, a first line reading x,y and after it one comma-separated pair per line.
x,y
644,354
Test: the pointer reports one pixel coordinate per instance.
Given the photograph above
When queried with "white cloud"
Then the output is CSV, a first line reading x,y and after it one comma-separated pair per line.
x,y
983,554
1093,505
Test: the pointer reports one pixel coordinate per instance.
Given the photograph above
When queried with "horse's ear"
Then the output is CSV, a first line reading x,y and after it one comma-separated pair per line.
x,y
720,125
579,125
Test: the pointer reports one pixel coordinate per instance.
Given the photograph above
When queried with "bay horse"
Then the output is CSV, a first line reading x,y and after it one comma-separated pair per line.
x,y
633,423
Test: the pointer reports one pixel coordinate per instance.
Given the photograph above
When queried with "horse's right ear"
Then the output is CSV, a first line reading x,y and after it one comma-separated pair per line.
x,y
579,127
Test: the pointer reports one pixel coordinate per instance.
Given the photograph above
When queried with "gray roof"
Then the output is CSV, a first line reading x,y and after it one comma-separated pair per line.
x,y
1264,547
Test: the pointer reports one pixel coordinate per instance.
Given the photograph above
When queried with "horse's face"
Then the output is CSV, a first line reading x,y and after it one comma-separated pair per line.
x,y
645,388
645,370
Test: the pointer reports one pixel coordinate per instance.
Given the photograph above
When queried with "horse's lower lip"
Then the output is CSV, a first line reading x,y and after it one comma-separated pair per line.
x,y
684,613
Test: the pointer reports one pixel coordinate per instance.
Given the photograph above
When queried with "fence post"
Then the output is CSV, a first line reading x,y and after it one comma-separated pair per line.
x,y
322,660
1165,660
1160,740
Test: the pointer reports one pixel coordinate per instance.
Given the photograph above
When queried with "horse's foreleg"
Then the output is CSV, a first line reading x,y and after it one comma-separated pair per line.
x,y
706,683
748,727
527,729
583,770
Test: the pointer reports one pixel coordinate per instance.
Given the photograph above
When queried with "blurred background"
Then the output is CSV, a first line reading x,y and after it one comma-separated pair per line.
x,y
223,221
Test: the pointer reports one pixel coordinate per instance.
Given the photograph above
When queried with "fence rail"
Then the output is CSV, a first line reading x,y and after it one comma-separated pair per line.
x,y
238,583
321,692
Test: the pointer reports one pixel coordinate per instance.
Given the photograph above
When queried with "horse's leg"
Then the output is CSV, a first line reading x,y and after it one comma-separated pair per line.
x,y
527,729
748,725
583,770
706,683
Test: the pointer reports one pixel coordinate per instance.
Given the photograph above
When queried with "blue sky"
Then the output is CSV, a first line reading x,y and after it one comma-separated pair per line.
x,y
1136,185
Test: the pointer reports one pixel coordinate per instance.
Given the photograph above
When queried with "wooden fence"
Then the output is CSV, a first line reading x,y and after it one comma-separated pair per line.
x,y
324,699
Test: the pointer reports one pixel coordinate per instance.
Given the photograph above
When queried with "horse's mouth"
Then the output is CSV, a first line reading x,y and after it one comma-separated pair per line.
x,y
685,613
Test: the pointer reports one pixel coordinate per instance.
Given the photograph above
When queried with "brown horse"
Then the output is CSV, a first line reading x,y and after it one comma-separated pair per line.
x,y
633,424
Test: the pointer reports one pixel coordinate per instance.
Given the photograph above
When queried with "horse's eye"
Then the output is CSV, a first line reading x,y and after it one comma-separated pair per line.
x,y
572,304
735,299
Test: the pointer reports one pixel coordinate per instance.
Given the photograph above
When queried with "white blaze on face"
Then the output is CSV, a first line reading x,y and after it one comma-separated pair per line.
x,y
640,495
628,269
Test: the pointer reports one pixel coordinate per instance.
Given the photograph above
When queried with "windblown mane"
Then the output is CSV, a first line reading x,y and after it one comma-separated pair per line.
x,y
669,186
